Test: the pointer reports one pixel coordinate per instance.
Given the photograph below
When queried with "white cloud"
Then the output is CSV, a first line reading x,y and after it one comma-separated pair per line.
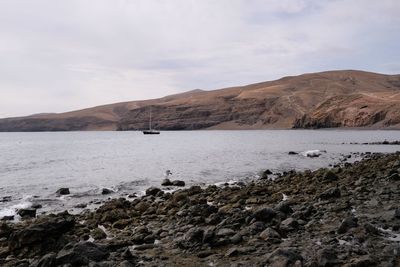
x,y
68,54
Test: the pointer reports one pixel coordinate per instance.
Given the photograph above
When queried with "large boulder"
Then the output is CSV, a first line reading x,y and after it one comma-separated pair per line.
x,y
63,191
27,213
41,235
81,254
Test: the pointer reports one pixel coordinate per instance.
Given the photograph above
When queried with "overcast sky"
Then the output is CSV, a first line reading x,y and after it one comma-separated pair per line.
x,y
60,55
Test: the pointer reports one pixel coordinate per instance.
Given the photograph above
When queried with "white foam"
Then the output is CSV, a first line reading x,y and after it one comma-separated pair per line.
x,y
312,153
12,210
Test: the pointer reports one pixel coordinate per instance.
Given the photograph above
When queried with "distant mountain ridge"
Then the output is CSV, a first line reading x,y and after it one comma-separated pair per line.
x,y
346,98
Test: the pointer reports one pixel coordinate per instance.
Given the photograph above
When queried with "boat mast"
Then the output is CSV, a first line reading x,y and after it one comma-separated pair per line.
x,y
150,120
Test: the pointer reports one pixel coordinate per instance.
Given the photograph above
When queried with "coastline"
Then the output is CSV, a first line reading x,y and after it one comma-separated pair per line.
x,y
348,215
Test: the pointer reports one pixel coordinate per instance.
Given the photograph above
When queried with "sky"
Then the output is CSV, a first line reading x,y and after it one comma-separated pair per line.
x,y
62,55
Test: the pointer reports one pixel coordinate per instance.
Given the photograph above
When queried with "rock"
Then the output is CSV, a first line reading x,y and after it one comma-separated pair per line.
x,y
293,153
6,199
397,213
194,235
41,234
284,258
232,252
327,257
270,234
27,213
349,222
369,228
81,254
264,214
145,247
256,227
8,218
330,176
166,182
125,263
225,232
63,191
98,234
5,230
289,225
152,191
48,260
330,193
178,183
284,207
81,206
236,239
106,191
394,177
264,174
36,206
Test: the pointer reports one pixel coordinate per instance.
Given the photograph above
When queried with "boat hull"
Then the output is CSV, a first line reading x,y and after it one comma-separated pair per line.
x,y
151,132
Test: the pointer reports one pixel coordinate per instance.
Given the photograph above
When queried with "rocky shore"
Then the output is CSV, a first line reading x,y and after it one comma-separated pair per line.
x,y
345,216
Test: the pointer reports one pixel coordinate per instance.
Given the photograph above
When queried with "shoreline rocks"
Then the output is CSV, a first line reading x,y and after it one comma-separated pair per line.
x,y
345,216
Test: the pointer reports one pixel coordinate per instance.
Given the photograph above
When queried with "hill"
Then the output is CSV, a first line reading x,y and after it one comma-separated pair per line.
x,y
346,98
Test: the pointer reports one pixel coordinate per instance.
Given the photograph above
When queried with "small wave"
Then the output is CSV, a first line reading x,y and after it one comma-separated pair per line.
x,y
12,210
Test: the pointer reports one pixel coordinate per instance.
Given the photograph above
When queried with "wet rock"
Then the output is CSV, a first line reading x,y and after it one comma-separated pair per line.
x,y
264,174
6,199
330,193
166,182
106,191
81,206
264,214
5,230
27,213
8,218
397,213
63,191
178,183
98,234
284,258
349,222
48,260
36,206
80,254
152,191
330,176
41,235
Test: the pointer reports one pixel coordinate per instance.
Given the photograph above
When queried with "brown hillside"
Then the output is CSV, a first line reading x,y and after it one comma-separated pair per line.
x,y
317,100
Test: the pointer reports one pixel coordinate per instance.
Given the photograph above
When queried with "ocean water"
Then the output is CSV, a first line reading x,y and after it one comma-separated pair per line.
x,y
34,165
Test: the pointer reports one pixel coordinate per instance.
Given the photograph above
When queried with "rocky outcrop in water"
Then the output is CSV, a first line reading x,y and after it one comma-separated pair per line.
x,y
345,216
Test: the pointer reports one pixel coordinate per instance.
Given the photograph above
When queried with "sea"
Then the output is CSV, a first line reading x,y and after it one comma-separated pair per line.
x,y
33,166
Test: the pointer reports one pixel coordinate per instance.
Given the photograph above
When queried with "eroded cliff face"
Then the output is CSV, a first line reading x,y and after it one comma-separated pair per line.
x,y
317,100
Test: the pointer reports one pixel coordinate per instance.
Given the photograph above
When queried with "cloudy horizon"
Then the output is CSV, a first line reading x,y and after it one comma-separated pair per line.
x,y
64,55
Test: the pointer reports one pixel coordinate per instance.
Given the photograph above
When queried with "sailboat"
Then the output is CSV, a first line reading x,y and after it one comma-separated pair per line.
x,y
150,131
